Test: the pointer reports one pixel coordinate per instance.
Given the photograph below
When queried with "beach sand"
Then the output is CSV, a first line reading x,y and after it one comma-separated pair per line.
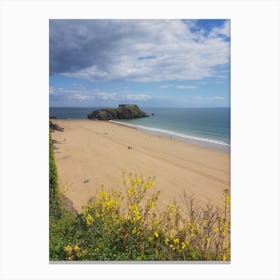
x,y
94,153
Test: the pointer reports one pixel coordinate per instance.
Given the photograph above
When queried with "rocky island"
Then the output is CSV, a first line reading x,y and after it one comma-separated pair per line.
x,y
124,111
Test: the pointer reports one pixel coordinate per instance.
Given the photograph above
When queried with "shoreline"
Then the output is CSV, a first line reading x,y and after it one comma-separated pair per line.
x,y
191,139
203,142
93,153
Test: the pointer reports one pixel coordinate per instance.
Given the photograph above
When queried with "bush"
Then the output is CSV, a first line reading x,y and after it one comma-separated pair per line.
x,y
118,226
54,198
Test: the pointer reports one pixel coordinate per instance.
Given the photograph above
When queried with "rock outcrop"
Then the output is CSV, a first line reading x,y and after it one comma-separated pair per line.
x,y
124,111
54,126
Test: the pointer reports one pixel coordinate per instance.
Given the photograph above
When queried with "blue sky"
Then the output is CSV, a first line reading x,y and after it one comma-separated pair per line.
x,y
153,63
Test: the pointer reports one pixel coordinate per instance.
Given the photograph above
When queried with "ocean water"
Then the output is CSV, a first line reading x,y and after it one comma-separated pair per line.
x,y
209,126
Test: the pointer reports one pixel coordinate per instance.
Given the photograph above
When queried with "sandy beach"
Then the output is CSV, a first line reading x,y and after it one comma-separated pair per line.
x,y
89,154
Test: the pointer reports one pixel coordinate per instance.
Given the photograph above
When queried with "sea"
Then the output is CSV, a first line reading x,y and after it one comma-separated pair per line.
x,y
202,126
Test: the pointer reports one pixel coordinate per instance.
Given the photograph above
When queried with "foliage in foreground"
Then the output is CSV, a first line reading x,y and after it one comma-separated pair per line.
x,y
54,196
118,226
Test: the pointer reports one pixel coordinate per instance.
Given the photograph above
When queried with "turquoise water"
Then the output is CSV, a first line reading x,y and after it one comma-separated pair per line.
x,y
209,125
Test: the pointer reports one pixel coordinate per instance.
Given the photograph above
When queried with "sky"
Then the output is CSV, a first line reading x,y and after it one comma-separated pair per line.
x,y
151,63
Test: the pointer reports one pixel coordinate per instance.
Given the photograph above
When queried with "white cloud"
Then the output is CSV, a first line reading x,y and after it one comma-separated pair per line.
x,y
185,87
138,97
79,97
208,98
136,50
223,30
178,86
92,94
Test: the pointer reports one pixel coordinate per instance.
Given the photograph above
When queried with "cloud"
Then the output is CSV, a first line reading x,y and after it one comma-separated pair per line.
x,y
208,98
80,94
136,50
224,30
177,86
137,97
79,97
185,87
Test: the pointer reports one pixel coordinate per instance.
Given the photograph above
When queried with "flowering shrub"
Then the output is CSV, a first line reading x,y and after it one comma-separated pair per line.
x,y
126,226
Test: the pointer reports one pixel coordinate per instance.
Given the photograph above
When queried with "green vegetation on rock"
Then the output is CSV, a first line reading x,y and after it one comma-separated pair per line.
x,y
124,111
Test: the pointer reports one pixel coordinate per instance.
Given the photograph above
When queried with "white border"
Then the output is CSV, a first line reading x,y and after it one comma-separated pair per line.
x,y
255,137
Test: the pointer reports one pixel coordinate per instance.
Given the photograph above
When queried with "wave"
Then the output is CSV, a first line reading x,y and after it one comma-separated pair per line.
x,y
173,133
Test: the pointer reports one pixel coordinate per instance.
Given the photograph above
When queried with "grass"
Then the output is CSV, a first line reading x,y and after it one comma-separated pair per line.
x,y
125,226
54,196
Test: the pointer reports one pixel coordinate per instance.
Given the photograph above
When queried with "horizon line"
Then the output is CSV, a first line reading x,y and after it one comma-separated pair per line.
x,y
85,107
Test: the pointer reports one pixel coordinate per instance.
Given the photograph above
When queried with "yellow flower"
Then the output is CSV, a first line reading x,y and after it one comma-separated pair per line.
x,y
225,229
176,240
148,185
216,229
150,239
227,200
103,196
68,249
166,240
134,230
226,196
76,248
185,244
89,219
136,215
131,190
156,234
138,181
110,204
